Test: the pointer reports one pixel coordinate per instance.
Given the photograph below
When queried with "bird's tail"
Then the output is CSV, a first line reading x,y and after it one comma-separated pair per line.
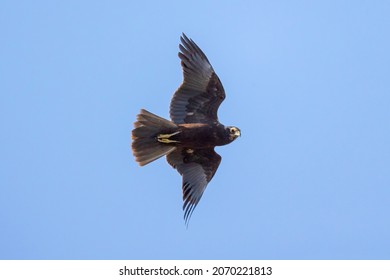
x,y
147,146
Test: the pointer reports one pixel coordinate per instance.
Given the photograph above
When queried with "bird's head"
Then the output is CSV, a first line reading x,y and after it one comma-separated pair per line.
x,y
234,132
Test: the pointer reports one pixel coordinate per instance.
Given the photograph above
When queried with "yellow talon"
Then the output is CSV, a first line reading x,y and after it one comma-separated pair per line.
x,y
166,141
164,138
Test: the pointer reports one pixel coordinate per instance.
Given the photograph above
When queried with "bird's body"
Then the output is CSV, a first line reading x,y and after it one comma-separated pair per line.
x,y
188,140
200,135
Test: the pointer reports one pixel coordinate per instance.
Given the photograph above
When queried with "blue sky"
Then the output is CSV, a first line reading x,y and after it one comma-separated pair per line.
x,y
306,81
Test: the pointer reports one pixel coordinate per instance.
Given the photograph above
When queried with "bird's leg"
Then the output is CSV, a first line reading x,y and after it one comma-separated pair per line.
x,y
164,138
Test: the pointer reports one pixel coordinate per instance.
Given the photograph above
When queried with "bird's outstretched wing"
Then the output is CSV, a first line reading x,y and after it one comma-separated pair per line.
x,y
197,166
199,96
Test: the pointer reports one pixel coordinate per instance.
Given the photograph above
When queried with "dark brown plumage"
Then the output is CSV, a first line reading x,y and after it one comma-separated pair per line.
x,y
189,139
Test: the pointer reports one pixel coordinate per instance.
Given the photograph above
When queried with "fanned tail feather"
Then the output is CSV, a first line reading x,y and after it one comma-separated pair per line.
x,y
145,146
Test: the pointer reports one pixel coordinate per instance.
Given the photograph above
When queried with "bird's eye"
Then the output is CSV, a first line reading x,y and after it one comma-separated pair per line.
x,y
232,130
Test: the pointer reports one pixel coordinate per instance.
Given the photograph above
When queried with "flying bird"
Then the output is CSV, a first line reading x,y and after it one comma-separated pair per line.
x,y
189,139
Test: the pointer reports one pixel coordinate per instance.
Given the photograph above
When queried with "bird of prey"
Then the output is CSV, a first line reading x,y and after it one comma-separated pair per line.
x,y
188,140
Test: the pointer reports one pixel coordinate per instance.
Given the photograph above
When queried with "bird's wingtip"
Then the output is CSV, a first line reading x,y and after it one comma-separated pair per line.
x,y
184,38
